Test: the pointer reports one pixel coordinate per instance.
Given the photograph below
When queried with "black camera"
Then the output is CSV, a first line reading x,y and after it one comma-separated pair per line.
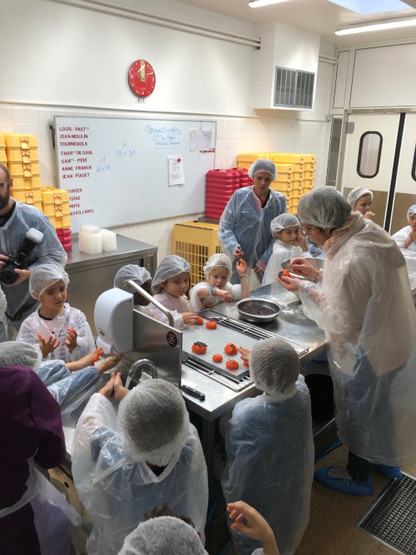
x,y
8,275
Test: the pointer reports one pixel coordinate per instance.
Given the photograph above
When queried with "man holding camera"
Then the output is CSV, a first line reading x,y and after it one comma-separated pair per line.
x,y
21,250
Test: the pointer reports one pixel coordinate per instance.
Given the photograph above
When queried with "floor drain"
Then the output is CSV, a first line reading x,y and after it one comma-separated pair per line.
x,y
392,517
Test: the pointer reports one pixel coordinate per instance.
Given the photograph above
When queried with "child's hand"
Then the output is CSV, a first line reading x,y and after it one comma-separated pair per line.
x,y
48,346
251,523
189,318
108,363
244,353
241,267
369,215
71,339
225,295
302,243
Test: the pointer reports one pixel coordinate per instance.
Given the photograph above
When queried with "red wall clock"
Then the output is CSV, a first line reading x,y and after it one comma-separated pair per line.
x,y
142,78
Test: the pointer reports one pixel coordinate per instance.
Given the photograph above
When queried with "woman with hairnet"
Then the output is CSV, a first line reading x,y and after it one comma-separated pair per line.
x,y
289,243
366,309
124,465
244,229
269,447
360,199
138,275
56,329
406,237
217,288
171,284
31,435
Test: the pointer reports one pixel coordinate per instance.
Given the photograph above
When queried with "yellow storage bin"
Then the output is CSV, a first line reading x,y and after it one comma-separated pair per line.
x,y
55,202
244,161
308,184
60,223
21,184
18,169
22,156
3,157
28,197
196,242
281,187
23,141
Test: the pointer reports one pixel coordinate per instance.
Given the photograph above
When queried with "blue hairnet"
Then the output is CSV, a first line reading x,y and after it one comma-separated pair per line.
x,y
171,266
323,208
274,365
411,211
263,165
165,535
357,193
136,273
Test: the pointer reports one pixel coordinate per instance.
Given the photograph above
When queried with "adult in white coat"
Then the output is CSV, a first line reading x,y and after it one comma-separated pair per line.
x,y
125,465
366,309
269,447
244,229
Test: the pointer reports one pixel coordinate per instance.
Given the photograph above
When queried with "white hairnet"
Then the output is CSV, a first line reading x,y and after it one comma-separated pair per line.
x,y
154,421
219,260
357,193
171,266
3,304
263,165
165,535
45,275
136,273
274,365
411,211
16,353
282,222
323,208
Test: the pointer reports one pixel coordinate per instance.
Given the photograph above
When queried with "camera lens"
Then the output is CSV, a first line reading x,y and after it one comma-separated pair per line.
x,y
8,276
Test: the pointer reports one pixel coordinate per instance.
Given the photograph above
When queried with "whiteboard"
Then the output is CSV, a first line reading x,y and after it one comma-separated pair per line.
x,y
116,170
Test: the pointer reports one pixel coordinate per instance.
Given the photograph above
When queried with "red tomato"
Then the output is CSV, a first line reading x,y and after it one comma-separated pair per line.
x,y
199,322
232,364
211,325
230,349
199,348
217,358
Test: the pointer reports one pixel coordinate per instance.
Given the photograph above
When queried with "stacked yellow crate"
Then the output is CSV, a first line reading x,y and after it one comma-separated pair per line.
x,y
55,204
196,242
3,157
23,163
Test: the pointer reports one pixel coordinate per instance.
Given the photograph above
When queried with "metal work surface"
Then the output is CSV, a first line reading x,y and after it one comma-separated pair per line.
x,y
391,518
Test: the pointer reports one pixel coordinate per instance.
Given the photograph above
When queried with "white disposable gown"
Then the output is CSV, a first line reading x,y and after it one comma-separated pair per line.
x,y
245,224
281,252
117,491
367,311
174,304
212,300
400,237
49,250
270,462
58,326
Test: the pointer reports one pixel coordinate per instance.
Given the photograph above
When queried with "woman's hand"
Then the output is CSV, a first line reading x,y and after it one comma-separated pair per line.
x,y
255,526
289,283
189,318
48,346
238,253
303,268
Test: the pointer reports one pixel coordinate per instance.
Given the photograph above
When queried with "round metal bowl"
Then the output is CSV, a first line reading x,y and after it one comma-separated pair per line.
x,y
257,318
316,262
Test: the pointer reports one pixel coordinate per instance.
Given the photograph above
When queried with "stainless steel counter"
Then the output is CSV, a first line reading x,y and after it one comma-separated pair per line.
x,y
91,274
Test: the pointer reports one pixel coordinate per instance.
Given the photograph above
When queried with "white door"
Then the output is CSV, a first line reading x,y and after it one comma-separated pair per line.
x,y
369,156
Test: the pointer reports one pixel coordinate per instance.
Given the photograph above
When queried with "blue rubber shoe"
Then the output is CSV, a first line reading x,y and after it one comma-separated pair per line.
x,y
338,479
389,471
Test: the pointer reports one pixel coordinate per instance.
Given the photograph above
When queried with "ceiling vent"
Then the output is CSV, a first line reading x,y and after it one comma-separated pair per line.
x,y
293,88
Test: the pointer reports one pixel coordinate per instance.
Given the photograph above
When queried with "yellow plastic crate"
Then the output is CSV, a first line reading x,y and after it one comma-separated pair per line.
x,y
18,169
21,184
60,223
23,141
196,242
281,187
244,161
308,174
308,184
3,157
28,197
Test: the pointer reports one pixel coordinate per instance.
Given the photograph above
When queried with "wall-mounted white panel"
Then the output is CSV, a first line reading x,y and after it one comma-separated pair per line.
x,y
384,76
341,79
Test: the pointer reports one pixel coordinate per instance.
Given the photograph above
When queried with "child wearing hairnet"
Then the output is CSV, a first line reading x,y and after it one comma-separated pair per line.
x,y
289,243
57,330
360,199
170,285
406,237
147,455
217,288
138,275
269,447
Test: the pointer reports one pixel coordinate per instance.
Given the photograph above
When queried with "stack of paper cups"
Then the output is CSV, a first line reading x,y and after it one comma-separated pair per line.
x,y
109,240
90,239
